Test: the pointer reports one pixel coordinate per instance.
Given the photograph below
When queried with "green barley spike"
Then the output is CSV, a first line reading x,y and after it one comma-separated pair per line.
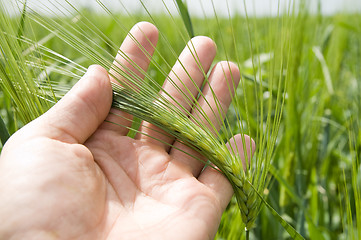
x,y
191,134
171,121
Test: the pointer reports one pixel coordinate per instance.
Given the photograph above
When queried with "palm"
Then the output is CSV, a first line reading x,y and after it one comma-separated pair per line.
x,y
147,195
131,191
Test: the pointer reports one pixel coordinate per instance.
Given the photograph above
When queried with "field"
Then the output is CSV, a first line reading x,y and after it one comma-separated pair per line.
x,y
299,99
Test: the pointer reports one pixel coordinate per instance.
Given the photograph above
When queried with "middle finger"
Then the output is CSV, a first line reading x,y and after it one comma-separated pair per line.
x,y
182,85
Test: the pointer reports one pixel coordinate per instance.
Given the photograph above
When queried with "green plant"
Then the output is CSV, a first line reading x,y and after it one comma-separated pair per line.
x,y
289,100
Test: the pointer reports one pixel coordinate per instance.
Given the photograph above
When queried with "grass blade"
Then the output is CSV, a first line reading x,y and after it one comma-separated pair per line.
x,y
293,233
185,17
22,22
4,133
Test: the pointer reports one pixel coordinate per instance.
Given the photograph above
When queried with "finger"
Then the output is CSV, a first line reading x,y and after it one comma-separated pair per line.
x,y
79,113
210,111
216,181
182,84
132,60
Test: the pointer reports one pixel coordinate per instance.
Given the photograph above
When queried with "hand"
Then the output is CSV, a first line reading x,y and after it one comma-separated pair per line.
x,y
71,175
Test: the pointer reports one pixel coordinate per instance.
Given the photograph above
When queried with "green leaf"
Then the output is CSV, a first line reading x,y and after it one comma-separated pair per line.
x,y
315,232
185,17
4,133
293,233
22,23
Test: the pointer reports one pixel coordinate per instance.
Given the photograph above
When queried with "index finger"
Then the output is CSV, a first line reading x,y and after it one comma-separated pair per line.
x,y
132,60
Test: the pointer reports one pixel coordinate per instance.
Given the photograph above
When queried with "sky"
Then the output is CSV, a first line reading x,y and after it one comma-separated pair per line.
x,y
201,7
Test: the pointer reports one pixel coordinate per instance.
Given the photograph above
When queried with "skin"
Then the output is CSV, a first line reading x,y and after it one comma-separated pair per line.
x,y
71,175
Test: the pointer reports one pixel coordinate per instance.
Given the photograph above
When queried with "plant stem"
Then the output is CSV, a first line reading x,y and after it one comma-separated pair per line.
x,y
247,234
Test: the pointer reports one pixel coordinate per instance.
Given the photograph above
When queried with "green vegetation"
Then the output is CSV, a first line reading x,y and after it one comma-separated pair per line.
x,y
299,99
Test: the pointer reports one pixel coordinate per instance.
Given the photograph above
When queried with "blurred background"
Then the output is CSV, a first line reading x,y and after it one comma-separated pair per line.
x,y
201,8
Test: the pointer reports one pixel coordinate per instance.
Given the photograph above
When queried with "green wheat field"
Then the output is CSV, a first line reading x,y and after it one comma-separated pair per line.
x,y
299,98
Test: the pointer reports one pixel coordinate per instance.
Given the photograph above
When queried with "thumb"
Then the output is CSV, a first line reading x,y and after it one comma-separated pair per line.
x,y
79,113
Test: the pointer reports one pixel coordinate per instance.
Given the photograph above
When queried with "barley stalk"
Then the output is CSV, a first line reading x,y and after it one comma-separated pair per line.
x,y
201,139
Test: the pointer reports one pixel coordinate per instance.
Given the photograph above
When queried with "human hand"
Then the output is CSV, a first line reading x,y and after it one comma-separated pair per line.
x,y
71,175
